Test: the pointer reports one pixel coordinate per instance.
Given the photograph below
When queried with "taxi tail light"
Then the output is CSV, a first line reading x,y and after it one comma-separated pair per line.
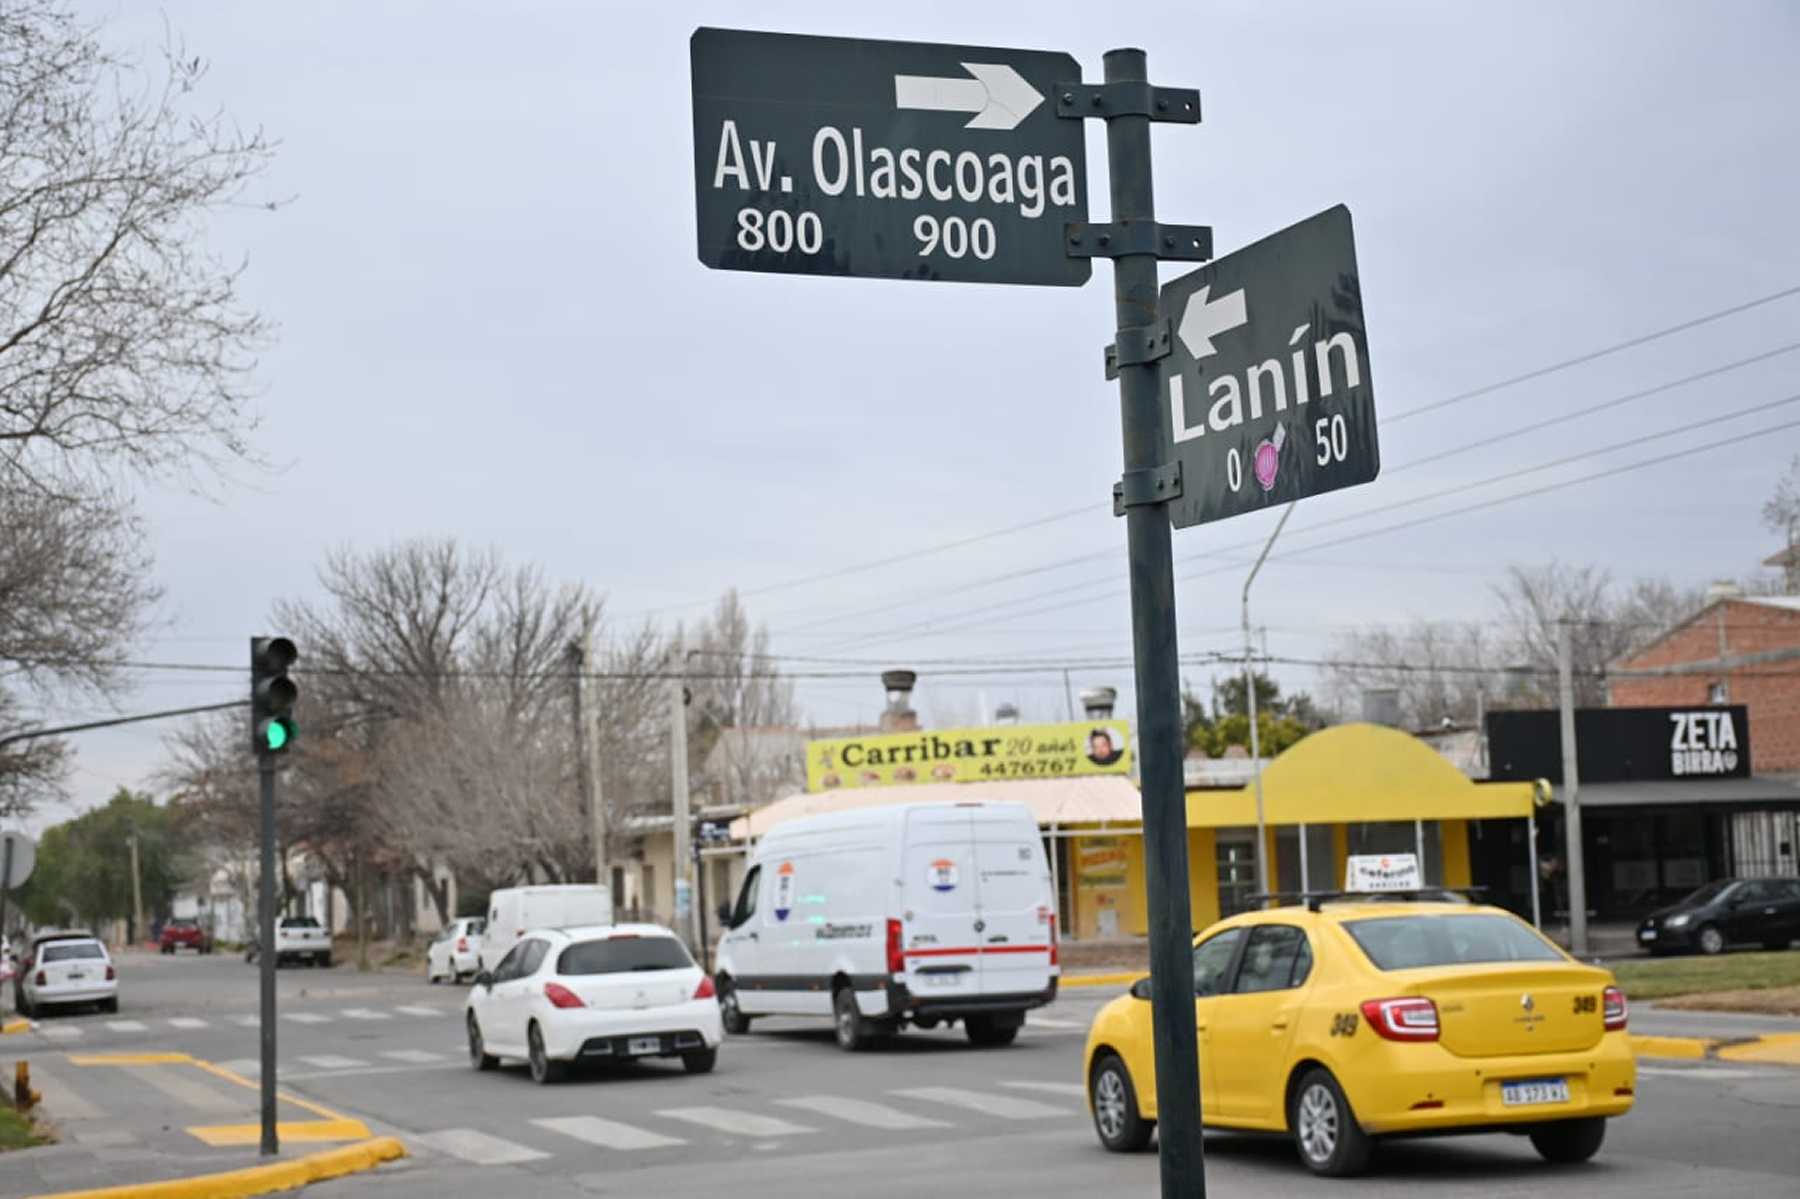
x,y
896,960
462,944
706,990
41,980
1612,1003
1411,1019
561,996
110,974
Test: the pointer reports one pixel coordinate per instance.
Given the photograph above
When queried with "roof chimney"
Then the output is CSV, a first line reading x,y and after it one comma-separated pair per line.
x,y
1098,702
1006,712
1723,589
1381,705
898,716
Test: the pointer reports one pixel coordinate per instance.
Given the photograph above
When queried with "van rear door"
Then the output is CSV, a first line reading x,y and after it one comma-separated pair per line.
x,y
1012,896
941,936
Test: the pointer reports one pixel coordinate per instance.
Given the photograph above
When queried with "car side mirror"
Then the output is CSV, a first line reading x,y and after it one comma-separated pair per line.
x,y
485,979
725,913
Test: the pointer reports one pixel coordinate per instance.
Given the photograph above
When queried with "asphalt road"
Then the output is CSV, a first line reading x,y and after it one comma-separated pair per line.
x,y
786,1113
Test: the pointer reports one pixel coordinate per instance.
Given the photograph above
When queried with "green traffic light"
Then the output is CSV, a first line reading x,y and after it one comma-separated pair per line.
x,y
275,735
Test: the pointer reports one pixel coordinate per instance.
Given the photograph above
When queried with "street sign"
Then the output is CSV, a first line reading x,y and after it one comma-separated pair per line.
x,y
900,160
1269,391
18,856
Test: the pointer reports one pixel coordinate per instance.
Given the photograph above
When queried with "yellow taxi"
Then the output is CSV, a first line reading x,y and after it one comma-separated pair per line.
x,y
1343,1021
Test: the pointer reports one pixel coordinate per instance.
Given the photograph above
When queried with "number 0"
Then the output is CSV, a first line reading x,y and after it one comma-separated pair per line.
x,y
1234,469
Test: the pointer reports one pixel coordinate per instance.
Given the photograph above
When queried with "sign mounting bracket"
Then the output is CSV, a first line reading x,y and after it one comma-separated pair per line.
x,y
1152,485
1078,101
1136,346
1171,243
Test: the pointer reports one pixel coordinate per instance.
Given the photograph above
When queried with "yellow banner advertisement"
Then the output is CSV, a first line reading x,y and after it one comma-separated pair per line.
x,y
1020,751
1100,862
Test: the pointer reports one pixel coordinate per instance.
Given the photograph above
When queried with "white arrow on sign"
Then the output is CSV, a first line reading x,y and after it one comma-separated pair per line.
x,y
997,95
1205,320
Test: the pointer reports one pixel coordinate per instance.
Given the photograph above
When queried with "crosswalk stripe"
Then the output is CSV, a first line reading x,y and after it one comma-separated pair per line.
x,y
745,1124
1004,1106
59,1032
1074,1089
247,1021
331,1061
607,1133
186,1022
860,1111
1036,1021
363,1013
174,1081
127,1026
419,1056
478,1148
418,1009
307,1018
58,1097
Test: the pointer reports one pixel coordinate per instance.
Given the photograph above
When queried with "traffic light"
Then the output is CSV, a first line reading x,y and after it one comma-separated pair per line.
x,y
272,695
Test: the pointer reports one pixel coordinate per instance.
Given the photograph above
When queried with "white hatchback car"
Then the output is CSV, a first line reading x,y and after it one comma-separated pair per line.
x,y
605,993
65,968
456,954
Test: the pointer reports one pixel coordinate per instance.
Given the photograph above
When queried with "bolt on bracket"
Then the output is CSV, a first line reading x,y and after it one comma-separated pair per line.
x,y
1155,485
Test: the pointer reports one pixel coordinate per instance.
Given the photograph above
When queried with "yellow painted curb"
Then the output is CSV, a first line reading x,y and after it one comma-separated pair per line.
x,y
297,1131
1781,1048
257,1180
20,1025
1122,979
1691,1048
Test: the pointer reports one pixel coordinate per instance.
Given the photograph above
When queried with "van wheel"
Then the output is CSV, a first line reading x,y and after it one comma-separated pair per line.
x,y
987,1031
1567,1142
1325,1130
853,1032
1121,1127
736,1023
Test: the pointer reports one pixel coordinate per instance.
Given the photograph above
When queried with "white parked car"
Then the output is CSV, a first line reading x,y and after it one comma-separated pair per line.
x,y
456,953
297,939
65,968
604,993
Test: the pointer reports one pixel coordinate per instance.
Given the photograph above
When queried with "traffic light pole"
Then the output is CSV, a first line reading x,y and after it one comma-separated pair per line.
x,y
1146,431
265,957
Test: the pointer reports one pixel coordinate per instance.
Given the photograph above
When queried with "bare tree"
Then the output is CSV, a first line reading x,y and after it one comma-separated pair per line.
x,y
122,342
1441,670
1781,516
742,709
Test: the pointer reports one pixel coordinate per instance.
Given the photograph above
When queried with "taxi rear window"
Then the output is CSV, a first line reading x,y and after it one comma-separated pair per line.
x,y
68,951
1409,942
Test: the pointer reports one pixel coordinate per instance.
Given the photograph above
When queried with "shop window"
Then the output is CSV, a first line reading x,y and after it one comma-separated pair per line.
x,y
1234,854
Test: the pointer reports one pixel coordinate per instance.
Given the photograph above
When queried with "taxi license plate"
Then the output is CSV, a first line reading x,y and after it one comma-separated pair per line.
x,y
641,1045
1534,1090
74,976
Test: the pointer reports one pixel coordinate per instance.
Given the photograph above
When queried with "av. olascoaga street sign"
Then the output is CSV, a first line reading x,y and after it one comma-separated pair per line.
x,y
839,156
1270,395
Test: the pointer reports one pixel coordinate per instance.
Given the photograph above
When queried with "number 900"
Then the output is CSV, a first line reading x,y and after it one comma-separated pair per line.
x,y
956,237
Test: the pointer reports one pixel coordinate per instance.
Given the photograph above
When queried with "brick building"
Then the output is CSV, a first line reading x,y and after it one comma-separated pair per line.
x,y
1736,650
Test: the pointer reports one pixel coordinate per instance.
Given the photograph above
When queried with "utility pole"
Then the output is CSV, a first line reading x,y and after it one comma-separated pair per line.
x,y
1565,672
1262,831
137,892
580,655
683,830
1144,417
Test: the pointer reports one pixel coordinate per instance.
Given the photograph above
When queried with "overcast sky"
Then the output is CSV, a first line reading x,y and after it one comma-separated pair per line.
x,y
493,325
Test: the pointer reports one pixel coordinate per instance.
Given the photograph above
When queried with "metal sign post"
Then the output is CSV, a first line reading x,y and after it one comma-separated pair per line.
x,y
1144,495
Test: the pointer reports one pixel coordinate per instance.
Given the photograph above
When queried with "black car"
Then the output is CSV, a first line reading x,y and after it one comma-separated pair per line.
x,y
1762,911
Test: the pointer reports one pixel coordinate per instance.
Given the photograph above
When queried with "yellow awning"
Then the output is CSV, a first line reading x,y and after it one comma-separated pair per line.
x,y
1354,773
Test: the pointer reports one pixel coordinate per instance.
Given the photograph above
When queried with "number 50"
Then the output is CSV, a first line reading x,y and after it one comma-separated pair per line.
x,y
1333,438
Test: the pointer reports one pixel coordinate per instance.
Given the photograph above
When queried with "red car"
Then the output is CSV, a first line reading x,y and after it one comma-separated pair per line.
x,y
180,934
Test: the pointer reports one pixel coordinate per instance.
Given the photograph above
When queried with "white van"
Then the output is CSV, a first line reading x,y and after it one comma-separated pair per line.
x,y
515,911
919,914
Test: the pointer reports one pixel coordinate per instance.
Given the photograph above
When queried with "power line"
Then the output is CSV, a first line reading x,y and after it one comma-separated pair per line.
x,y
1593,355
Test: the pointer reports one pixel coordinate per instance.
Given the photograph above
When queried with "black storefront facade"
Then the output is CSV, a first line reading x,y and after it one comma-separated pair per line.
x,y
1668,803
